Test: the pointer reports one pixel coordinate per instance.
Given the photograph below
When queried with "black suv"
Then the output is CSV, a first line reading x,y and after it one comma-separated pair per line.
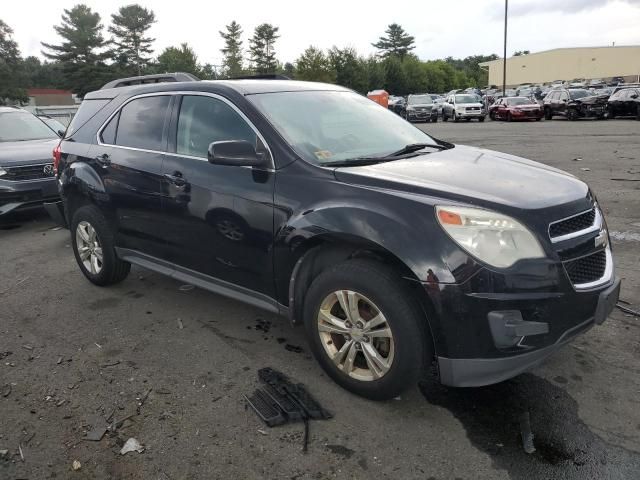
x,y
625,102
27,178
574,103
396,251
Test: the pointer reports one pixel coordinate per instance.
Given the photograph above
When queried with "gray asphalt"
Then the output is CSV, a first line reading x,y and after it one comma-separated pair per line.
x,y
74,353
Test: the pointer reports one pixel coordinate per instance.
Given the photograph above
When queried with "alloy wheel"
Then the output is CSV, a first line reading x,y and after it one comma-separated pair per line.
x,y
89,247
355,335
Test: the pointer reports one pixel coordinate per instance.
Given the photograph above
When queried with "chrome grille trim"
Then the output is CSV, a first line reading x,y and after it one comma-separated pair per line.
x,y
596,227
606,277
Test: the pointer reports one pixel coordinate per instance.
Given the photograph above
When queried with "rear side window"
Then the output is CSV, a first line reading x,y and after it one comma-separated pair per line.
x,y
141,123
87,110
204,120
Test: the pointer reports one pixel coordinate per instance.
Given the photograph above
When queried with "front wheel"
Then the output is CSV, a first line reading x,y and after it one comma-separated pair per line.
x,y
547,114
638,112
365,329
444,116
455,117
481,119
93,247
572,115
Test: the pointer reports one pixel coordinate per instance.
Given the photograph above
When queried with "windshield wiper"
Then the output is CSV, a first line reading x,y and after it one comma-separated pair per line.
x,y
348,162
414,147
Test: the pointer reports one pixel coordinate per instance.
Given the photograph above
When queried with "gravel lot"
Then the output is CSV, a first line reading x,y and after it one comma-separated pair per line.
x,y
73,354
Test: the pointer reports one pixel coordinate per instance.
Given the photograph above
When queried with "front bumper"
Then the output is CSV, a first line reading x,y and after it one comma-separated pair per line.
x,y
526,114
472,114
419,115
475,372
21,195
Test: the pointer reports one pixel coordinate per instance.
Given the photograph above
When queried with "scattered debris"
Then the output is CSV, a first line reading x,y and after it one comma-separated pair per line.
x,y
186,288
59,361
4,453
20,282
625,179
280,401
27,347
76,465
526,433
281,339
5,354
132,445
141,401
627,309
97,344
110,364
60,403
293,348
577,159
585,169
21,453
263,325
96,434
180,324
6,390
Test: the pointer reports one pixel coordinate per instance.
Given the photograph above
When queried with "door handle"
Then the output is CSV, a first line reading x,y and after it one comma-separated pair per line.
x,y
175,178
104,159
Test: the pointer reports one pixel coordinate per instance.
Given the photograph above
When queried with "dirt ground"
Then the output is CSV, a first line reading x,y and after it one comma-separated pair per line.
x,y
178,361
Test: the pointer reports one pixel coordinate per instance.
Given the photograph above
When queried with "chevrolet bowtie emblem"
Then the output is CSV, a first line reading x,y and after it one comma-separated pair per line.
x,y
602,240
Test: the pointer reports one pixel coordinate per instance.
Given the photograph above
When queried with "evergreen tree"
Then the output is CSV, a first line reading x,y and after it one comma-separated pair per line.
x,y
313,65
397,42
79,53
11,75
232,51
132,48
261,48
351,70
178,59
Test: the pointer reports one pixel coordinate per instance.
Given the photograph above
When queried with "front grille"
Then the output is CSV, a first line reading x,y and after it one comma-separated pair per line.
x,y
587,269
472,109
572,224
28,172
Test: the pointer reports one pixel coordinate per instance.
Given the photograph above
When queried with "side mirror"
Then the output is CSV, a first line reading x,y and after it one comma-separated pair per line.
x,y
635,95
239,153
60,133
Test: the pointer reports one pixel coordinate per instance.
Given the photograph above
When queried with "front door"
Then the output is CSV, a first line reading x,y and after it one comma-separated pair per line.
x,y
129,158
219,218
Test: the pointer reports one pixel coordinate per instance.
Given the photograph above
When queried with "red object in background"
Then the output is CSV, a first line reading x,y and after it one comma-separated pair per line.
x,y
515,108
379,96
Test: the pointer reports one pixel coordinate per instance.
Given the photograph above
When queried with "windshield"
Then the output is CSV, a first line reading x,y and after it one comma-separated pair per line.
x,y
518,101
20,126
467,99
420,100
329,126
579,94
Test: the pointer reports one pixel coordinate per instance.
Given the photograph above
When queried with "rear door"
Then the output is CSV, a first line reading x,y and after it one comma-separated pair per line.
x,y
219,217
129,158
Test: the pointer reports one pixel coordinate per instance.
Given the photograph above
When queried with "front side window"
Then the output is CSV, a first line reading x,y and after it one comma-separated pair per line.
x,y
204,120
20,126
332,126
141,123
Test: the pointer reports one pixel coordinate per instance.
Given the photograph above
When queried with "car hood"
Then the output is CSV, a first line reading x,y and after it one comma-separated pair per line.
x,y
28,151
474,104
421,105
472,175
592,99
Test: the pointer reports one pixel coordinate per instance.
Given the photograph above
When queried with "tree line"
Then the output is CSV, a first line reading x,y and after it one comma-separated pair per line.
x,y
86,58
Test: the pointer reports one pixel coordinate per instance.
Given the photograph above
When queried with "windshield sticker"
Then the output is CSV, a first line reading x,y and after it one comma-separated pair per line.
x,y
323,154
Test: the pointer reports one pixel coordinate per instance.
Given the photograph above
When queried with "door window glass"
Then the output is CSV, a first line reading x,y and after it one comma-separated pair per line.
x,y
204,120
142,122
108,135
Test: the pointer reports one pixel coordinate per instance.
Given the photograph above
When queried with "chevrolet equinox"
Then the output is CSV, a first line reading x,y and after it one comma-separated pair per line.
x,y
396,251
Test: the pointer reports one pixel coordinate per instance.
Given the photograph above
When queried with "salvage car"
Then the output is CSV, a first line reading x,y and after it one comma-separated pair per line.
x,y
463,107
625,102
399,253
574,103
515,108
27,179
397,105
421,107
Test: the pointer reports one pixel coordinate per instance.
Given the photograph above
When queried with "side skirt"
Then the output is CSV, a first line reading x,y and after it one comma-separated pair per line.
x,y
203,281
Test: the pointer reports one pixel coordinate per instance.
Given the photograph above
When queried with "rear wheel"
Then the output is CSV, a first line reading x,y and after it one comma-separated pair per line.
x,y
547,113
509,117
572,114
365,329
93,247
481,119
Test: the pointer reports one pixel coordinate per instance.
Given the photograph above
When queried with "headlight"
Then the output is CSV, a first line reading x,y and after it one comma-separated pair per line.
x,y
489,236
2,171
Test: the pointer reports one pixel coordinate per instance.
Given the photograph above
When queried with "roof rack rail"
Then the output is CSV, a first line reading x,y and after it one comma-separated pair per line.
x,y
156,78
262,76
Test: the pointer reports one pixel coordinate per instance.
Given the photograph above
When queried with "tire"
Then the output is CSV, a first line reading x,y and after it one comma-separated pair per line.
x,y
434,119
455,117
547,114
509,117
572,115
444,116
381,288
91,229
481,119
492,115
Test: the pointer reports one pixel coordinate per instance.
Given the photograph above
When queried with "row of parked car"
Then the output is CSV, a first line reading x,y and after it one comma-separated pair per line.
x,y
572,103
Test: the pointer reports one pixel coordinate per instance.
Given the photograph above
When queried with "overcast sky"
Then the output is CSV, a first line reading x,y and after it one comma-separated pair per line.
x,y
441,27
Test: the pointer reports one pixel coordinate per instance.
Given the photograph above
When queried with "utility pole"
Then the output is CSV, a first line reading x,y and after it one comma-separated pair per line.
x,y
504,57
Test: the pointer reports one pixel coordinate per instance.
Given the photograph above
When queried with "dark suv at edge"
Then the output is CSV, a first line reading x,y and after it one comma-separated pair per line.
x,y
395,250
